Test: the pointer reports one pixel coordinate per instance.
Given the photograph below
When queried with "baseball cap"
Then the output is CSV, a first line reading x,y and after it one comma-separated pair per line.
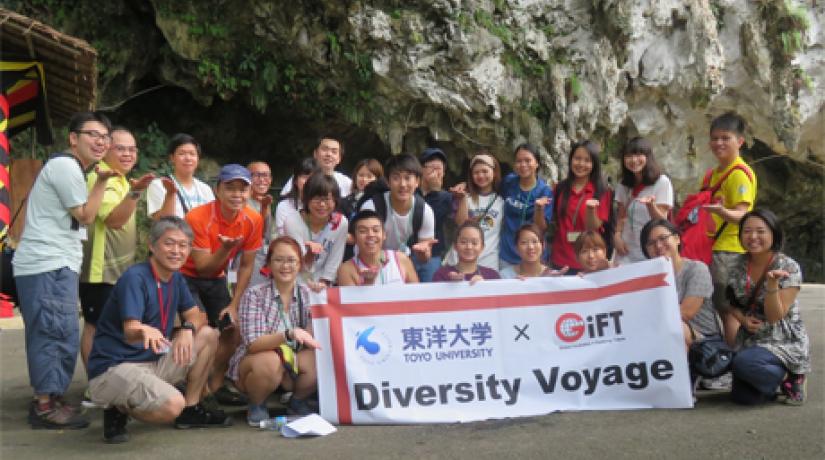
x,y
234,171
433,153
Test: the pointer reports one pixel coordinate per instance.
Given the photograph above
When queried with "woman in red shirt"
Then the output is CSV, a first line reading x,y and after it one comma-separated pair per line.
x,y
583,202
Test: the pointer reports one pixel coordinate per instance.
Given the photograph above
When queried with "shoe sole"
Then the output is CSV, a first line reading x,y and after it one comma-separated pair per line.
x,y
227,423
119,439
40,425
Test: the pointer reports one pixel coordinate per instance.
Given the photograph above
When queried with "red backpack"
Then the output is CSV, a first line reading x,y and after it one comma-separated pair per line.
x,y
696,224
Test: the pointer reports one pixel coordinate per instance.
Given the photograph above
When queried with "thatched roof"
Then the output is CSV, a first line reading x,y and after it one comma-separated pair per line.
x,y
70,64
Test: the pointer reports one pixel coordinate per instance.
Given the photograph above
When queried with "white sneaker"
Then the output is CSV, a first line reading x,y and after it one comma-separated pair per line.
x,y
723,382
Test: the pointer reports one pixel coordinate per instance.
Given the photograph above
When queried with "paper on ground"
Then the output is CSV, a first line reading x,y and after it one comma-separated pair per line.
x,y
311,425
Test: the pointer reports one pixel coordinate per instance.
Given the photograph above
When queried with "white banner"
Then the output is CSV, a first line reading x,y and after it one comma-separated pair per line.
x,y
451,352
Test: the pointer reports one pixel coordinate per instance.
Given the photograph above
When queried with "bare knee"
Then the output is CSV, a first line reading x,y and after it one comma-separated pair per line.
x,y
206,337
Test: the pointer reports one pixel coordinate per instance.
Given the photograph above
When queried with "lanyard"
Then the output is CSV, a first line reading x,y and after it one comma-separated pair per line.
x,y
185,195
382,262
748,280
285,319
526,203
164,309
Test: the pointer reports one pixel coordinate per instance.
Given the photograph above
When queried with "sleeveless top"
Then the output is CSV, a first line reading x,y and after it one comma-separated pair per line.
x,y
390,273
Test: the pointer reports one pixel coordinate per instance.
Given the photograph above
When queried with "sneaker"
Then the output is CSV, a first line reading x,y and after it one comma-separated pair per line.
x,y
198,416
55,415
794,388
87,402
723,382
256,414
114,426
298,407
230,398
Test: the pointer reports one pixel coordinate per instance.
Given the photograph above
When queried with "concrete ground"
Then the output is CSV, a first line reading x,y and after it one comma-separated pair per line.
x,y
715,428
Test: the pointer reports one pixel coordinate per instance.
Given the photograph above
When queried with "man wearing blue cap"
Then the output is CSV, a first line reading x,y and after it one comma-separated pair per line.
x,y
222,229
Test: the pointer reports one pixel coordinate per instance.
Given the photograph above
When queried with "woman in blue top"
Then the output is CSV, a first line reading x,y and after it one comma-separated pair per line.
x,y
527,198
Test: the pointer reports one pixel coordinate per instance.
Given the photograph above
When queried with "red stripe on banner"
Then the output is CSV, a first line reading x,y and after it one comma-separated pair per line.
x,y
25,93
339,362
4,174
332,310
4,144
5,214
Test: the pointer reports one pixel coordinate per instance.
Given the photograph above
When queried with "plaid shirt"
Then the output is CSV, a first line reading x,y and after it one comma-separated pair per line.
x,y
259,315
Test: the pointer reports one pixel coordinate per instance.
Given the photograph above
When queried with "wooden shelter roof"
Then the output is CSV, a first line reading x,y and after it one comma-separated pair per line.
x,y
69,63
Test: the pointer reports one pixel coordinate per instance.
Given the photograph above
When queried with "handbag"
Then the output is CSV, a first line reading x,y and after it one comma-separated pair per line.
x,y
710,357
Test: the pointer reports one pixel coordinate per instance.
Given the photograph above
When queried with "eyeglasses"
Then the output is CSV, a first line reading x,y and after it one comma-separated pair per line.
x,y
322,200
124,149
662,239
96,136
261,175
286,262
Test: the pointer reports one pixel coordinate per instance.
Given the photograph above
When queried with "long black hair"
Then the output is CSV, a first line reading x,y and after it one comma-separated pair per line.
x,y
563,188
304,167
651,172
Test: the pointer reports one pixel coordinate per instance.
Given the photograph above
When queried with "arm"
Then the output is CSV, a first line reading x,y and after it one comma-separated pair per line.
x,y
86,212
690,306
591,217
207,264
244,275
122,212
621,218
336,253
539,211
195,316
135,331
347,275
777,299
410,275
169,197
731,215
462,212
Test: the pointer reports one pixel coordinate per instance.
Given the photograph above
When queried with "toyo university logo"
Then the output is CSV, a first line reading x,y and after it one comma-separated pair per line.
x,y
372,346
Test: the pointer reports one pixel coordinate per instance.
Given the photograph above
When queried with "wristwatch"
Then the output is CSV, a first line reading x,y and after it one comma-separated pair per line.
x,y
134,194
188,325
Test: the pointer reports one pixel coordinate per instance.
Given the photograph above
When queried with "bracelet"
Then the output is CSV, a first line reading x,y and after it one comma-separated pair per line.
x,y
286,335
134,194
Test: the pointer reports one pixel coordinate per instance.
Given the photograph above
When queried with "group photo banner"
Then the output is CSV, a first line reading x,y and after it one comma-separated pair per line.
x,y
455,352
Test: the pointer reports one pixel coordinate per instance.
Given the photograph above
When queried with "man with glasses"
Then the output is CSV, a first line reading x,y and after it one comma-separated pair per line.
x,y
223,229
261,201
110,247
47,264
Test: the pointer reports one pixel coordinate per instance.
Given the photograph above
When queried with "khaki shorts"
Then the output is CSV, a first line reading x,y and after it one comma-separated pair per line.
x,y
719,273
142,387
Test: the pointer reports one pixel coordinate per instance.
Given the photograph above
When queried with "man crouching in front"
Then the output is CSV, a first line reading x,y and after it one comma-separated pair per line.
x,y
137,355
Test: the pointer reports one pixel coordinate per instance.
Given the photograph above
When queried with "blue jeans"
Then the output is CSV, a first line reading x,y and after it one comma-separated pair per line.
x,y
48,304
756,375
426,270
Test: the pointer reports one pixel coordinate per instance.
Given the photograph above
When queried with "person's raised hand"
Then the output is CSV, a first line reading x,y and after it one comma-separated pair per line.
x,y
169,185
141,183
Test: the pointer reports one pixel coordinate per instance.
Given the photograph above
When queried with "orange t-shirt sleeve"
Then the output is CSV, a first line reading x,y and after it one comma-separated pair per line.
x,y
254,240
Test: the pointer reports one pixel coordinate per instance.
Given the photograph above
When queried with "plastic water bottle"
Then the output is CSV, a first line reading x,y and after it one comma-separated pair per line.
x,y
273,424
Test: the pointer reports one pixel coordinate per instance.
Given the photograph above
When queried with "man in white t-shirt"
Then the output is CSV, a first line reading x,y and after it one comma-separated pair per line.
x,y
180,192
328,155
399,210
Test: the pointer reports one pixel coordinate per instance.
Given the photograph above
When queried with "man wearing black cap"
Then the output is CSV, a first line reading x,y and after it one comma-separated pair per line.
x,y
434,164
222,229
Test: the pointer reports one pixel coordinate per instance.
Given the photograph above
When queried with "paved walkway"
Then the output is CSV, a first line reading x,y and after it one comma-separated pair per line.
x,y
716,428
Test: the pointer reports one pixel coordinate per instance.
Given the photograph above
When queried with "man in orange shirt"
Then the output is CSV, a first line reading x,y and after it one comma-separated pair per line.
x,y
223,229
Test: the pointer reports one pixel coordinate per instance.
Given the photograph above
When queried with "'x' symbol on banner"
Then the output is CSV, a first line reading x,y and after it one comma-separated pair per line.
x,y
522,332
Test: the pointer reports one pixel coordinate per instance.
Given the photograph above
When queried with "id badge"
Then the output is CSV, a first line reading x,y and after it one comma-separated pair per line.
x,y
232,276
573,236
83,232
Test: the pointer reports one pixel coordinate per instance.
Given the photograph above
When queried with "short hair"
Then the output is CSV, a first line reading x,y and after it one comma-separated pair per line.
x,y
771,221
166,223
403,163
304,167
372,165
320,184
729,121
651,172
289,241
469,223
364,214
483,157
258,162
650,225
181,139
81,118
120,128
589,239
532,228
332,138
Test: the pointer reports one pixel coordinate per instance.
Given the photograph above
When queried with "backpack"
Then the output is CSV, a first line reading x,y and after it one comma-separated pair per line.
x,y
696,224
375,191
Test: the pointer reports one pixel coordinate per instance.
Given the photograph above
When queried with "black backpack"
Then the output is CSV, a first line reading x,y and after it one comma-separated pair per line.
x,y
375,191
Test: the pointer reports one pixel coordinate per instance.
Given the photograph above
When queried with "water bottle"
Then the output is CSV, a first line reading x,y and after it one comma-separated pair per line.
x,y
273,424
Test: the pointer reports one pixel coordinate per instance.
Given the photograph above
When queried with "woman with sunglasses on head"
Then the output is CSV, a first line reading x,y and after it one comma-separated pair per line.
x,y
477,200
643,194
277,344
320,230
583,202
530,246
772,349
660,238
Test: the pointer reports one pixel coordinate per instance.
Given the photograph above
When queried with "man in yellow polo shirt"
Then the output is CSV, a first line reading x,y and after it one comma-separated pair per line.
x,y
110,246
736,196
